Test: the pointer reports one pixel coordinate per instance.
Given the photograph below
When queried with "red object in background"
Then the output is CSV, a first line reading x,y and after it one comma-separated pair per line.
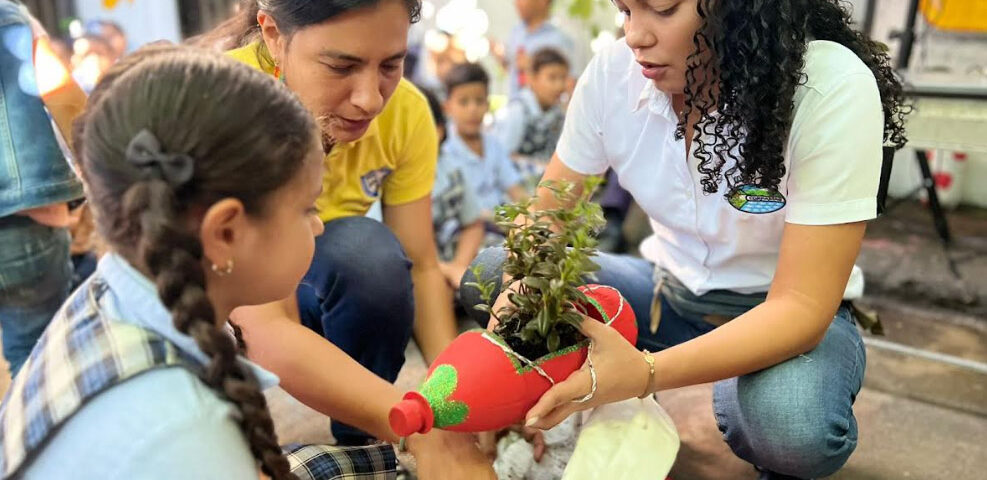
x,y
475,386
948,168
521,60
943,180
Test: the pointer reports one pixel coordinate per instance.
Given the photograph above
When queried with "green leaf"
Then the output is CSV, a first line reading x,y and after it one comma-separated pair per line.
x,y
553,341
536,282
544,323
572,318
529,336
531,326
483,308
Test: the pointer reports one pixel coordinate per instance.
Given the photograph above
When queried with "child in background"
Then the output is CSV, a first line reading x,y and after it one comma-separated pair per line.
x,y
138,375
535,32
485,164
457,218
531,124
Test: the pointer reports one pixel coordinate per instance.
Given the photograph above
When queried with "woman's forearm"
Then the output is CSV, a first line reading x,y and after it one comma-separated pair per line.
x,y
320,375
435,321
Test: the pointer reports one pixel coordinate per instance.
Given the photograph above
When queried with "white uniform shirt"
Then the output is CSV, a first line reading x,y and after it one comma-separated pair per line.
x,y
547,35
618,119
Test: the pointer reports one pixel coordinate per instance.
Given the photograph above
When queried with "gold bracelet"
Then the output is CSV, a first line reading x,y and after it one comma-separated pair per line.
x,y
648,357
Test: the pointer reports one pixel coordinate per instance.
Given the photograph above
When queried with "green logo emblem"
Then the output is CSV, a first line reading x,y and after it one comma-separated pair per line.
x,y
755,199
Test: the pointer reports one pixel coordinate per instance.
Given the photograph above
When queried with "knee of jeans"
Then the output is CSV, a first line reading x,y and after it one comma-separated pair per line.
x,y
490,262
791,436
370,266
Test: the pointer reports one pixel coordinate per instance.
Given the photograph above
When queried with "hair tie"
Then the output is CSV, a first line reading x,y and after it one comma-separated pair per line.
x,y
144,152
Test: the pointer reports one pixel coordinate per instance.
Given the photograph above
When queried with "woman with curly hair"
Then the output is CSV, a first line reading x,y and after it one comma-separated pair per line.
x,y
751,132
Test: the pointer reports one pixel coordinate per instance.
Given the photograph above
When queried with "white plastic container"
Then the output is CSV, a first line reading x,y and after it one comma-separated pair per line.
x,y
948,168
630,440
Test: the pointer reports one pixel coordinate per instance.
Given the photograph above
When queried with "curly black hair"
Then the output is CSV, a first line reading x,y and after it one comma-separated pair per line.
x,y
748,60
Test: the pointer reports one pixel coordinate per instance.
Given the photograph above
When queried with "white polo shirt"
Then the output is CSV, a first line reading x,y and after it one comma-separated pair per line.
x,y
618,119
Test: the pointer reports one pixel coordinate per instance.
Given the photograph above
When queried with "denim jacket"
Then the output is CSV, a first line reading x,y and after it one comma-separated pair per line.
x,y
33,169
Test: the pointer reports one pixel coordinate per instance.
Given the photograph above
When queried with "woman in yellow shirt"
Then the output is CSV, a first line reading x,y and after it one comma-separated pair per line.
x,y
369,283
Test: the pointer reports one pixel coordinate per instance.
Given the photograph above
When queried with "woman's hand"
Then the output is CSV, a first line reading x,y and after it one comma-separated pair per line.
x,y
445,455
621,373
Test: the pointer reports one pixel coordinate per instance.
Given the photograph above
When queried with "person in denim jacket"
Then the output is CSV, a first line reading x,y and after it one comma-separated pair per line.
x,y
36,181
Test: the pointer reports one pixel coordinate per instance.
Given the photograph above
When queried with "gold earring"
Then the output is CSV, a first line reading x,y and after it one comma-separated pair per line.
x,y
278,73
224,271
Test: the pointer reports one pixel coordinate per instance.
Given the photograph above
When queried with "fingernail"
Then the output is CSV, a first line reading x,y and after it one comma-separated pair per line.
x,y
531,421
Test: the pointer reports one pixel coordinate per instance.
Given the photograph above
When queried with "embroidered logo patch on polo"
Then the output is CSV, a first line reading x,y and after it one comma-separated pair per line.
x,y
755,199
372,181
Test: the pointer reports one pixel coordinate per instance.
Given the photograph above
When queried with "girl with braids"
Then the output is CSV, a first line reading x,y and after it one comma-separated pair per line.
x,y
193,163
751,133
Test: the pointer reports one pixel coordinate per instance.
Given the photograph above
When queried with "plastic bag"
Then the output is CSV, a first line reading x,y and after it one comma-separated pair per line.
x,y
515,456
630,440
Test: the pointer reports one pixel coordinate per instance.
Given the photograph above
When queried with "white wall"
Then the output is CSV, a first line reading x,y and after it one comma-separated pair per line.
x,y
144,20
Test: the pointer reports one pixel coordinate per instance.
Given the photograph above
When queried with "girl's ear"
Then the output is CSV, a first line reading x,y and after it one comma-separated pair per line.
x,y
223,225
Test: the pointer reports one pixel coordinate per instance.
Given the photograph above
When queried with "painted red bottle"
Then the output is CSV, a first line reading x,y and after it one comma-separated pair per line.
x,y
478,384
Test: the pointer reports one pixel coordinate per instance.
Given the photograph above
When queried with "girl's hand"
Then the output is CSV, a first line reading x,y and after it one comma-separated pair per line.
x,y
621,373
487,441
445,455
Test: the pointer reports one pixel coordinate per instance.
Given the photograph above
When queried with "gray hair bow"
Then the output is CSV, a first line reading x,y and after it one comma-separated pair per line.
x,y
144,152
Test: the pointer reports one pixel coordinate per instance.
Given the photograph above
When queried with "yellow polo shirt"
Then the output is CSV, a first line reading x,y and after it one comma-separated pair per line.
x,y
395,160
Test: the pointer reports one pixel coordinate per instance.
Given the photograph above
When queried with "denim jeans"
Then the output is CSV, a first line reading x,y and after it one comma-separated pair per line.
x,y
358,295
35,275
794,419
33,169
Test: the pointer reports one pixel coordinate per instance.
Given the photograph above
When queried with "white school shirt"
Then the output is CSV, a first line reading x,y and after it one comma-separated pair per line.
x,y
163,424
618,119
489,176
547,35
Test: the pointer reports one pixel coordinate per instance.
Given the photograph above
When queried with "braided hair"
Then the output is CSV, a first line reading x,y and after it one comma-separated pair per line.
x,y
245,137
748,60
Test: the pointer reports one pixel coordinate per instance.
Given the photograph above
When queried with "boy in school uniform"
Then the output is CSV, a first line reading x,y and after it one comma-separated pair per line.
x,y
457,218
485,163
531,124
534,33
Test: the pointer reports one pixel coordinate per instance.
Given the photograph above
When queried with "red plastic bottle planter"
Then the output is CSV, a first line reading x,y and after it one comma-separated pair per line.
x,y
475,385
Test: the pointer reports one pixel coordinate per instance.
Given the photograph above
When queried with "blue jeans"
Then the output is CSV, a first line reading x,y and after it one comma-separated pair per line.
x,y
794,419
33,170
358,294
35,276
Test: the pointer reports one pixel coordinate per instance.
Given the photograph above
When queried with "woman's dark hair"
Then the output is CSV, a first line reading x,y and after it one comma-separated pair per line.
x,y
246,137
435,105
290,15
545,57
754,53
464,73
